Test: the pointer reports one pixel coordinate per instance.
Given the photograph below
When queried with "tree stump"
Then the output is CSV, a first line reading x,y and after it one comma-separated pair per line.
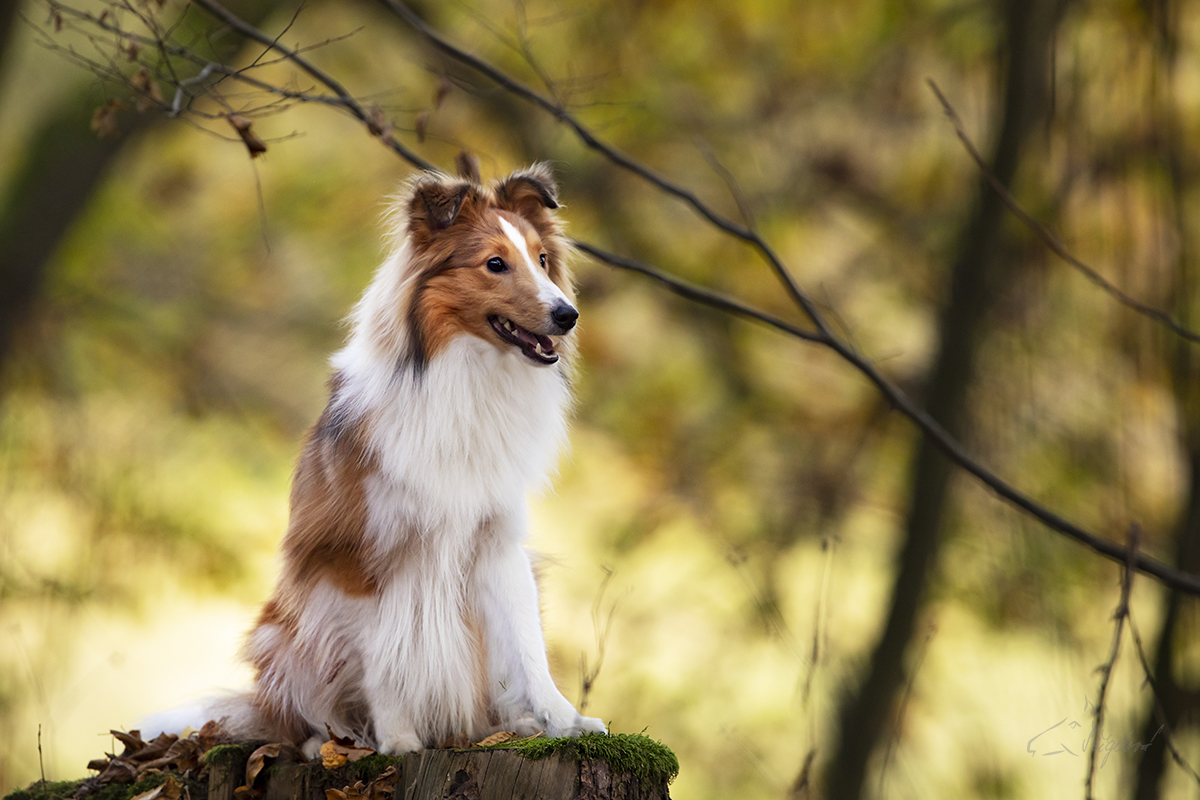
x,y
566,772
590,767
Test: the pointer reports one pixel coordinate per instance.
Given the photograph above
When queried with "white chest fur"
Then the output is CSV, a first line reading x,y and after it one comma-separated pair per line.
x,y
459,443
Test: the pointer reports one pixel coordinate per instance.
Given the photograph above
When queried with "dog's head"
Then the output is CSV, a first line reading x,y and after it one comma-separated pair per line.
x,y
489,260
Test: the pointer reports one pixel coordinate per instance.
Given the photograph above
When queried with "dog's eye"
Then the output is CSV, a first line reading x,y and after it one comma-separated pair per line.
x,y
543,260
496,264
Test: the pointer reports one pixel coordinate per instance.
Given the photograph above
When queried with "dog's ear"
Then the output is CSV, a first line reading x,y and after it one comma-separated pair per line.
x,y
528,191
436,202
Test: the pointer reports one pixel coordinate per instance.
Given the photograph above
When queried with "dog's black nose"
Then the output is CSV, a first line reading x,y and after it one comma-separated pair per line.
x,y
564,316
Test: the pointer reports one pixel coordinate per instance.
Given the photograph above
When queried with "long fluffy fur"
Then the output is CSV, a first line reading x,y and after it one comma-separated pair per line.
x,y
407,613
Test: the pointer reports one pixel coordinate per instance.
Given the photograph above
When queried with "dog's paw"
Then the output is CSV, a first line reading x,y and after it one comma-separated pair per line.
x,y
526,725
400,744
567,722
580,726
312,748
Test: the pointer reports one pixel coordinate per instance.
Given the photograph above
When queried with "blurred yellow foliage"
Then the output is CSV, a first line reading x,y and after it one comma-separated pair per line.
x,y
744,490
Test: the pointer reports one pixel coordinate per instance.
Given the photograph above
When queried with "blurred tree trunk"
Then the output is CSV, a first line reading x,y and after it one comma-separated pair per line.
x,y
62,167
1174,704
64,164
979,271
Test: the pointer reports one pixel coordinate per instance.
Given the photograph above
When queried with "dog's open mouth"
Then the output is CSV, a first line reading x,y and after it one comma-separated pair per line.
x,y
535,346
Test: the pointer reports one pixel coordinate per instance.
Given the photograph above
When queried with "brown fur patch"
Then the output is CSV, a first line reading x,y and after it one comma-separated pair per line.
x,y
329,512
326,528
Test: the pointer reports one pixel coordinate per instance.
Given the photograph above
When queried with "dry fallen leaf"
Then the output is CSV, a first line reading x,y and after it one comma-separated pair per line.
x,y
210,735
421,125
340,750
167,790
334,755
132,741
147,89
119,770
378,123
258,760
444,87
255,145
104,119
182,754
385,785
495,738
156,748
382,788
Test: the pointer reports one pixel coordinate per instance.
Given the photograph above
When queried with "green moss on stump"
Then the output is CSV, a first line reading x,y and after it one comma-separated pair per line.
x,y
224,755
60,790
50,790
648,759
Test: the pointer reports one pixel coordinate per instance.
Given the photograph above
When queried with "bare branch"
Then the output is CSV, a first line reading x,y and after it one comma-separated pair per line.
x,y
1047,236
1106,670
731,182
1159,712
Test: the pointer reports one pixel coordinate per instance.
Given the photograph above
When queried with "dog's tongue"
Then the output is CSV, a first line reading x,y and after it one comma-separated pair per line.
x,y
532,340
527,337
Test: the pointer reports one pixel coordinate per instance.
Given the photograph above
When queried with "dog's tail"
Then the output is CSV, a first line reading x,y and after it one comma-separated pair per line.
x,y
237,716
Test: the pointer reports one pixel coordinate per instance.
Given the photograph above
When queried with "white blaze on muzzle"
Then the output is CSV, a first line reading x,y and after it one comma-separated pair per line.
x,y
548,293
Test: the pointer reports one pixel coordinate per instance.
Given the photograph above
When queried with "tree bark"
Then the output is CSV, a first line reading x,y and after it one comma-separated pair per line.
x,y
483,774
978,272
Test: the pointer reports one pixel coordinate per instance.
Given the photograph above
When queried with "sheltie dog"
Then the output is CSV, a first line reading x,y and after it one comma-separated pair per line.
x,y
407,613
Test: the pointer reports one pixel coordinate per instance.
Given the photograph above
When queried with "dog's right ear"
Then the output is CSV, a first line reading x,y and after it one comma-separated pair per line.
x,y
436,203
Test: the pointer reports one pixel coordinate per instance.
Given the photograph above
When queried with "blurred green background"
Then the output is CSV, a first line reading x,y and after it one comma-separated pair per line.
x,y
734,500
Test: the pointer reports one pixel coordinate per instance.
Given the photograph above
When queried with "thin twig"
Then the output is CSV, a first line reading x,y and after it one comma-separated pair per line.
x,y
1106,670
1159,712
728,178
588,675
322,77
903,707
1047,236
819,613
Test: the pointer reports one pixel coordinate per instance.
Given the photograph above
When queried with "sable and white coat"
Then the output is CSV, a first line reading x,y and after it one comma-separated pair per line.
x,y
407,613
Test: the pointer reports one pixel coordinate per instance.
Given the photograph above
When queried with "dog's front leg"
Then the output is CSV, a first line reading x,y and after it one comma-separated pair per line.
x,y
523,693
